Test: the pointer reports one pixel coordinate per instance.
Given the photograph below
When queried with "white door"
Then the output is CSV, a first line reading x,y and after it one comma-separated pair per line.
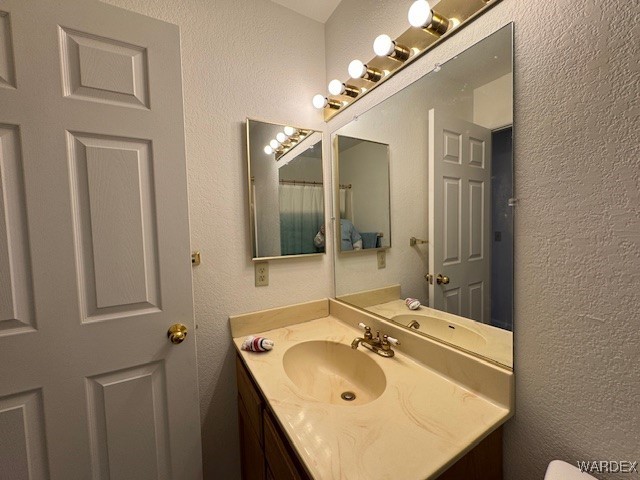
x,y
459,216
94,247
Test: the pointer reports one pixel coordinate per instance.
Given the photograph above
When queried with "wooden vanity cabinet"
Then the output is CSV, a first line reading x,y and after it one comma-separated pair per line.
x,y
266,453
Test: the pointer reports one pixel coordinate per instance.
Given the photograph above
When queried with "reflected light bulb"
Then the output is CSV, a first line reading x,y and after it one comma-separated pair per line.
x,y
289,131
357,69
268,150
383,45
281,137
336,87
274,144
420,14
319,101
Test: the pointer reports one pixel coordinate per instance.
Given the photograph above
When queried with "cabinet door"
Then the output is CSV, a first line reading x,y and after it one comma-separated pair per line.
x,y
251,398
277,452
484,462
251,455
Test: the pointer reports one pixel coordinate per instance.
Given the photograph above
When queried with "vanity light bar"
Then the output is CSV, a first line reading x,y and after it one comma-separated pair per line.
x,y
285,141
428,28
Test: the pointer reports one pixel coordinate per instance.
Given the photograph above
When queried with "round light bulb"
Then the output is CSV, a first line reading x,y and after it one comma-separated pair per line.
x,y
336,87
319,101
274,144
383,45
357,69
420,14
289,131
281,137
268,150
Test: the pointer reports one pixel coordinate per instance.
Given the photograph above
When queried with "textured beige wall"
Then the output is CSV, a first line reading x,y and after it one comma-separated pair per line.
x,y
577,246
233,55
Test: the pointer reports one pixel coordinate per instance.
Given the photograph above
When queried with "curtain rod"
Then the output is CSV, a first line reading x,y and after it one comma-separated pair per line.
x,y
301,182
304,182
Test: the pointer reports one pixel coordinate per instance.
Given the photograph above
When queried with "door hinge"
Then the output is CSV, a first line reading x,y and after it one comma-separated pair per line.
x,y
195,258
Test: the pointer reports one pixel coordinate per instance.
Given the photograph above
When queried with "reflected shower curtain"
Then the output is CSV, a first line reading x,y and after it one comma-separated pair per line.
x,y
301,216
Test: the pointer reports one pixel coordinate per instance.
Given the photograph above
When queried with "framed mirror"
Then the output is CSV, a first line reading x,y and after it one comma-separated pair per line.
x,y
449,142
362,200
285,185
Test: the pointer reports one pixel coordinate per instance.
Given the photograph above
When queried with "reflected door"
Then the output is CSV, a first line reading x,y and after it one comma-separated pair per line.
x,y
459,217
94,247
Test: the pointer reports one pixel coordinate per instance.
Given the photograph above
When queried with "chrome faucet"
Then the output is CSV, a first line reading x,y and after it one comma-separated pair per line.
x,y
381,346
414,324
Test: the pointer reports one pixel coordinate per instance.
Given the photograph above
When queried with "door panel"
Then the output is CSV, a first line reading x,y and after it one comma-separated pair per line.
x,y
460,216
7,72
103,69
114,192
476,301
16,294
22,440
103,220
128,418
451,228
477,225
452,300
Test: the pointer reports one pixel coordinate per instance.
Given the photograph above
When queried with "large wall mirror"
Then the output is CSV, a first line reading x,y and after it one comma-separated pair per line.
x,y
286,200
449,142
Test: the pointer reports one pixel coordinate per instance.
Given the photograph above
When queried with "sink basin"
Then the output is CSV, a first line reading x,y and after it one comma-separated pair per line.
x,y
448,331
331,372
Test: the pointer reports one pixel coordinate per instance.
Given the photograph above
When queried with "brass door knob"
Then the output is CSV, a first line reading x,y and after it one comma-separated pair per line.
x,y
442,279
177,333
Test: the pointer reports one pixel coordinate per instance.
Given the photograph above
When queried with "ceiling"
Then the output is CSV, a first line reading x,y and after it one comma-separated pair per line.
x,y
319,10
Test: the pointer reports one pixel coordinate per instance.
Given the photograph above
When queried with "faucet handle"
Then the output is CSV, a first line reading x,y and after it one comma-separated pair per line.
x,y
391,340
367,331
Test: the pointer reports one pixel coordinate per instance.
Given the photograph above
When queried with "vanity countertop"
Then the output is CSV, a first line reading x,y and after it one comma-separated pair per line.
x,y
419,426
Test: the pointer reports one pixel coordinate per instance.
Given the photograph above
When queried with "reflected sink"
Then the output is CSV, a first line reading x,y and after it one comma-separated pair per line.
x,y
450,332
328,370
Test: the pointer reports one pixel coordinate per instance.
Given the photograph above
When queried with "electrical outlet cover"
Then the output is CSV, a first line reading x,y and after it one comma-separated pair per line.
x,y
262,274
382,259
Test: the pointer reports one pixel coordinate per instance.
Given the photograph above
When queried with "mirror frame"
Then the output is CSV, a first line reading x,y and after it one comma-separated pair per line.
x,y
252,220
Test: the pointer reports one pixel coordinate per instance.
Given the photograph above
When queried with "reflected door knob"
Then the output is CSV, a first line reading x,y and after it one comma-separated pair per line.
x,y
177,333
442,279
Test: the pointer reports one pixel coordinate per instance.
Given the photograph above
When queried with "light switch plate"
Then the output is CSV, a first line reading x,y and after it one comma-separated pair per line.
x,y
262,274
382,259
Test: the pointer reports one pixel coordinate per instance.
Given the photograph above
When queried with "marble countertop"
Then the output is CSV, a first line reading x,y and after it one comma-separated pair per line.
x,y
419,426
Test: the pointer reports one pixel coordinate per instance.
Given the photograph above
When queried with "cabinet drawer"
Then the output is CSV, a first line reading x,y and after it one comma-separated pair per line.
x,y
250,397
